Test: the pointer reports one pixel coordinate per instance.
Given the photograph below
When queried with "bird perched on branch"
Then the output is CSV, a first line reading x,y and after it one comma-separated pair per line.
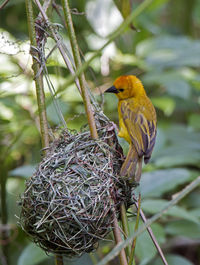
x,y
137,122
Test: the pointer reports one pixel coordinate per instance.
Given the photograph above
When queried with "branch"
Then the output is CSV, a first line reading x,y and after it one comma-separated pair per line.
x,y
125,226
118,240
39,79
39,87
4,4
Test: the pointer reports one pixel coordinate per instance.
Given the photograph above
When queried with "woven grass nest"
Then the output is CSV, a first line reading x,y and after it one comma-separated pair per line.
x,y
68,204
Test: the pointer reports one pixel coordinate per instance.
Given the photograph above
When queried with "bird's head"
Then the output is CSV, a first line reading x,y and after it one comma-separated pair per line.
x,y
127,86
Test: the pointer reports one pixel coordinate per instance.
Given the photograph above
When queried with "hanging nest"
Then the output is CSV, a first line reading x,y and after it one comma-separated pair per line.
x,y
68,203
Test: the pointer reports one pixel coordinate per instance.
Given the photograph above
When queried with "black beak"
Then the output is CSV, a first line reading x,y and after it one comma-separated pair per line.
x,y
112,89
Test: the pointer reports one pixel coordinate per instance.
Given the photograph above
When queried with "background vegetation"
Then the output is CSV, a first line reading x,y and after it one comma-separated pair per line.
x,y
164,53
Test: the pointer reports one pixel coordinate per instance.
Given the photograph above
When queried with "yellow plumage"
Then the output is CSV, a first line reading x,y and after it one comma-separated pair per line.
x,y
137,122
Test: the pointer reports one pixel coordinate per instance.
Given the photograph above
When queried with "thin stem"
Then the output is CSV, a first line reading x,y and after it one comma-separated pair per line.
x,y
125,226
39,86
132,261
4,4
118,239
115,34
39,79
152,235
4,213
115,251
59,260
78,63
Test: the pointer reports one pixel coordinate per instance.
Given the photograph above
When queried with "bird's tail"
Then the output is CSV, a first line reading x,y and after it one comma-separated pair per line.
x,y
132,166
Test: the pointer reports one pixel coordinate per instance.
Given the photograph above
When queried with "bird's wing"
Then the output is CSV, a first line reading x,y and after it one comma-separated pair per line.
x,y
141,130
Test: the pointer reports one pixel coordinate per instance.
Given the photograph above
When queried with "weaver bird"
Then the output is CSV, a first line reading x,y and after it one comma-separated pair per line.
x,y
137,122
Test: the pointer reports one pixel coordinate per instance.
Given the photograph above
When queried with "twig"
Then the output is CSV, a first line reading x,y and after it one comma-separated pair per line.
x,y
131,261
56,7
118,240
152,236
4,4
77,59
38,79
125,227
114,252
59,260
39,86
4,213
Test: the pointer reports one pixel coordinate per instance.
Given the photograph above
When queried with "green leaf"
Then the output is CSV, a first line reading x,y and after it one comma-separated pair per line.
x,y
156,4
192,201
156,183
196,212
180,134
154,206
83,260
32,255
166,104
161,141
174,82
124,7
182,148
172,260
145,249
170,51
183,228
179,88
178,157
54,113
194,120
23,171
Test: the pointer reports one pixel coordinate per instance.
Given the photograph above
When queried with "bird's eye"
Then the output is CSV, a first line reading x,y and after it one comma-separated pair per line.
x,y
121,89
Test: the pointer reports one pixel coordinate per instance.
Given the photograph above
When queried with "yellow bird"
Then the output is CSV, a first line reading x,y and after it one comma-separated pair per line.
x,y
137,122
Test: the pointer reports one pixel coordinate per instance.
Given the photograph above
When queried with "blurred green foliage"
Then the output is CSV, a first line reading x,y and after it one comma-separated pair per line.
x,y
165,54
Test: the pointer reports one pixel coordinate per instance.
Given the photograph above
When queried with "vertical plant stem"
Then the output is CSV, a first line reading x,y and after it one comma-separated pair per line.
x,y
118,239
132,261
4,214
39,79
39,88
4,4
77,59
125,226
59,260
87,103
